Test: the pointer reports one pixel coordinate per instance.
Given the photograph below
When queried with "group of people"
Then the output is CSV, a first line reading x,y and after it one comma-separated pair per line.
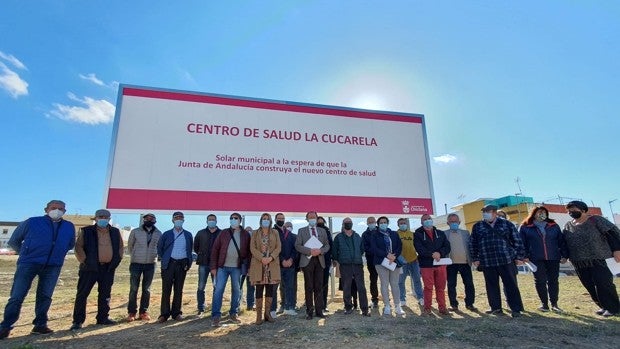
x,y
271,256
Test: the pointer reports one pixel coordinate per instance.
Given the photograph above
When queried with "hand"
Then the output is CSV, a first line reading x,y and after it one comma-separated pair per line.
x,y
213,273
519,262
476,264
315,252
617,256
287,263
265,260
391,257
436,256
563,260
526,260
334,264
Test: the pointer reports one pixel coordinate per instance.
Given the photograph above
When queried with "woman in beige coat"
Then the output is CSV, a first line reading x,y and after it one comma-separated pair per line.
x,y
264,271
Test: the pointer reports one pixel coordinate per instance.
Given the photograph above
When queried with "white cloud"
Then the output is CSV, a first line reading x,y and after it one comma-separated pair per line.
x,y
14,61
92,78
92,112
11,82
445,158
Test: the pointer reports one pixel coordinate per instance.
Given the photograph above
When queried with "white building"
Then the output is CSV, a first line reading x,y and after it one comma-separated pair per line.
x,y
6,231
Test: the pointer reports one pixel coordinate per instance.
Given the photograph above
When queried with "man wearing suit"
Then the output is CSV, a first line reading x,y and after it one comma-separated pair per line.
x,y
312,263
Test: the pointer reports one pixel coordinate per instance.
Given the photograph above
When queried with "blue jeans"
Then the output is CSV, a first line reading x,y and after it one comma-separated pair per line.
x,y
413,271
203,274
288,283
136,271
249,290
220,284
24,274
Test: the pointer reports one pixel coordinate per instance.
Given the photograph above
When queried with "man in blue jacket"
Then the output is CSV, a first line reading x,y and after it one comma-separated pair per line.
x,y
42,243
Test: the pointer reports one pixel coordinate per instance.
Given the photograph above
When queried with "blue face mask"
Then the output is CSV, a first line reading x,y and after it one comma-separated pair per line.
x,y
383,226
312,222
402,227
234,222
178,223
428,223
372,226
487,216
265,223
102,223
454,226
211,224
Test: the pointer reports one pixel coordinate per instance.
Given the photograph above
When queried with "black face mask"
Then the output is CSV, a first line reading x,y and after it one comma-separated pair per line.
x,y
279,223
320,225
149,224
348,225
575,214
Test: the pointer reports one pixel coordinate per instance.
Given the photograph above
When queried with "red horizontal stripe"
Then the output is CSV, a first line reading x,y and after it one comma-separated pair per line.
x,y
141,199
283,106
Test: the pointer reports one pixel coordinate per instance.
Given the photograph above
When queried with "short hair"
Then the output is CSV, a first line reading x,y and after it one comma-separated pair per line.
x,y
58,202
277,214
577,204
402,219
530,218
235,214
212,215
453,215
309,212
383,217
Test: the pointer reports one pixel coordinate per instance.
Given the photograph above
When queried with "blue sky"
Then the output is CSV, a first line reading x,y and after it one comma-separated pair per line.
x,y
509,89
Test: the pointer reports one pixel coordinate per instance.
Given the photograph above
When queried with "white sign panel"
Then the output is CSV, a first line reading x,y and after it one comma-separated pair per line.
x,y
177,150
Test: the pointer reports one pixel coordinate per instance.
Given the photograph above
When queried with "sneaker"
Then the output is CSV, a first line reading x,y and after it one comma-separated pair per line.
x,y
494,312
131,317
250,308
454,308
235,318
75,326
427,312
399,310
600,312
366,313
348,311
106,322
41,330
387,310
403,303
444,312
543,308
516,314
4,333
280,310
273,314
290,312
471,308
375,305
215,322
179,317
556,309
421,301
161,319
607,313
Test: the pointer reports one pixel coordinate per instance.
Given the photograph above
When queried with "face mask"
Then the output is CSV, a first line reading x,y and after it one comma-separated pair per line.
x,y
575,214
178,223
290,229
541,216
312,222
428,223
487,216
265,223
454,226
402,227
234,223
102,223
211,224
280,223
348,225
383,226
55,214
372,226
149,224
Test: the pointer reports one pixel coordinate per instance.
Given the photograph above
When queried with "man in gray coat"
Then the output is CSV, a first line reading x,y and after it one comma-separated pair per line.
x,y
312,263
461,264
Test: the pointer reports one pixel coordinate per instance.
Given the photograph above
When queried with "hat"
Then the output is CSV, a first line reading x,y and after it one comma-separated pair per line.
x,y
178,213
102,213
489,207
148,215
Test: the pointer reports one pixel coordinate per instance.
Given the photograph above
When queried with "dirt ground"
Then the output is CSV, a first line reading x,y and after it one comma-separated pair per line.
x,y
577,327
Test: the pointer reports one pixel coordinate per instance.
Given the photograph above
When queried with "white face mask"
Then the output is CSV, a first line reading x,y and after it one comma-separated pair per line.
x,y
55,214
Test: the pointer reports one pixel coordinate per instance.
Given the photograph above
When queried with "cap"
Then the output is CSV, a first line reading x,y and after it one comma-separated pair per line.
x,y
489,207
102,213
178,213
148,215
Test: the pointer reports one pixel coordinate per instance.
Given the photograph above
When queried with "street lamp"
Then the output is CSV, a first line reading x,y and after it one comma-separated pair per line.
x,y
613,219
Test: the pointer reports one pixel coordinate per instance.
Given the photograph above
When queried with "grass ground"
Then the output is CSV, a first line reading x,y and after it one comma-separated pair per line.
x,y
577,327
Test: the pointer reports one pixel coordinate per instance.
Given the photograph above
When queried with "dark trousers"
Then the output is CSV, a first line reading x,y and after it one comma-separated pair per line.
x,y
374,277
353,274
268,288
546,281
511,288
172,280
137,271
313,285
599,282
288,286
325,284
468,282
104,277
353,292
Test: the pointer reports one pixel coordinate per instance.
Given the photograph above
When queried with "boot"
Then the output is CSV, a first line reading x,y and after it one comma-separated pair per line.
x,y
259,311
268,317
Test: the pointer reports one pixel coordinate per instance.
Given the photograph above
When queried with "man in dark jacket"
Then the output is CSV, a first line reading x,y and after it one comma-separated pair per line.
x,y
371,222
432,245
288,269
42,243
203,244
99,249
321,223
347,251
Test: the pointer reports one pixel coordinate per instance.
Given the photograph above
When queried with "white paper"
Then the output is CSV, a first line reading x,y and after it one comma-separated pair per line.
x,y
532,266
313,242
442,261
613,266
387,264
